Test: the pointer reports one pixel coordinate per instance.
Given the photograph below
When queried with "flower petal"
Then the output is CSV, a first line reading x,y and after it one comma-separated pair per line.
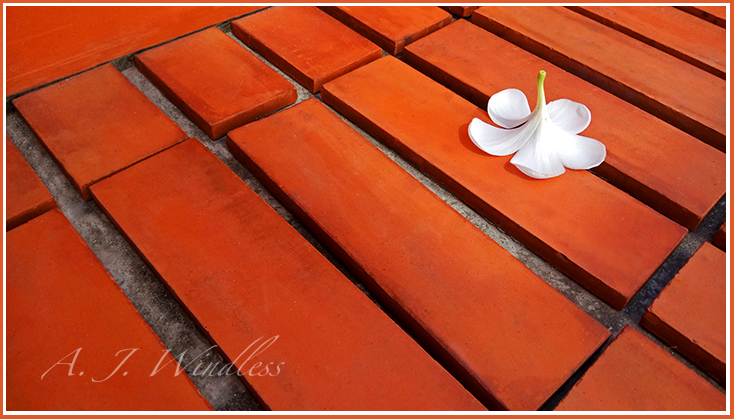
x,y
570,116
538,157
579,152
497,141
508,108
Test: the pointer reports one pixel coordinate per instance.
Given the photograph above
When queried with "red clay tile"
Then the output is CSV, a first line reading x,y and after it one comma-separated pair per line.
x,y
46,43
679,93
96,124
215,81
243,273
667,29
390,27
720,238
306,43
690,313
459,289
662,166
714,14
69,324
634,373
460,11
601,237
27,196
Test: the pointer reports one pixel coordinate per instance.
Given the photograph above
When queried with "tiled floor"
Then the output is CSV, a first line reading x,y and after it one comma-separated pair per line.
x,y
390,263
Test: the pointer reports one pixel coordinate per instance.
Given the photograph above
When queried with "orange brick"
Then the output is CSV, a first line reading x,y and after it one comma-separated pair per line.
x,y
306,43
390,27
667,29
635,374
601,237
243,273
690,313
96,124
373,213
720,238
69,325
662,166
679,93
215,81
27,196
460,11
714,14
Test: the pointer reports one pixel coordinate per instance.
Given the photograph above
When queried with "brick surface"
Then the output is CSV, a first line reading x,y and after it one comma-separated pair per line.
x,y
96,124
69,325
306,43
392,28
636,374
667,29
215,81
662,166
679,93
27,196
714,14
601,237
243,273
720,238
460,290
690,313
460,11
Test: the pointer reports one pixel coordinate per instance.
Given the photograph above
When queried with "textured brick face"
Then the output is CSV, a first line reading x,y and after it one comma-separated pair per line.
x,y
27,197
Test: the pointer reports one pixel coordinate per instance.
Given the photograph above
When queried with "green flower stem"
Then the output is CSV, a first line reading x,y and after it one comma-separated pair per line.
x,y
540,105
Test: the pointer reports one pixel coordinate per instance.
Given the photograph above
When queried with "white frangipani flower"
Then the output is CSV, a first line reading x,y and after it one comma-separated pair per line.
x,y
545,140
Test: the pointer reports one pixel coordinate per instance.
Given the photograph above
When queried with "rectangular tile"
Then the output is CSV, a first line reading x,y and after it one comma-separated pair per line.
x,y
667,29
634,373
243,273
27,196
713,14
678,93
720,238
96,124
457,288
70,328
658,164
214,81
690,313
392,28
306,43
460,11
601,237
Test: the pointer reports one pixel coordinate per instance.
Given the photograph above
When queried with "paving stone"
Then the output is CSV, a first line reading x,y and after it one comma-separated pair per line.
x,y
27,196
460,11
459,289
306,43
667,29
96,124
245,274
720,238
679,93
392,28
714,14
662,166
74,340
690,313
215,82
601,237
636,374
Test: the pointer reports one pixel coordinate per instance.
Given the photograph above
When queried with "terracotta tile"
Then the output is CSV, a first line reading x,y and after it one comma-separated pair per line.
x,y
679,93
667,29
601,237
460,11
690,313
27,196
492,295
243,273
96,124
633,373
215,81
68,323
662,166
46,43
714,14
392,28
720,238
306,43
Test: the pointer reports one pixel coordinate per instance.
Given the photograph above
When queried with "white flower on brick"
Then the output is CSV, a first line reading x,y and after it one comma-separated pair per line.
x,y
546,140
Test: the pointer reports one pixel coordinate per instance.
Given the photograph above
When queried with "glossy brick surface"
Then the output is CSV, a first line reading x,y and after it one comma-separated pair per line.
x,y
27,196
